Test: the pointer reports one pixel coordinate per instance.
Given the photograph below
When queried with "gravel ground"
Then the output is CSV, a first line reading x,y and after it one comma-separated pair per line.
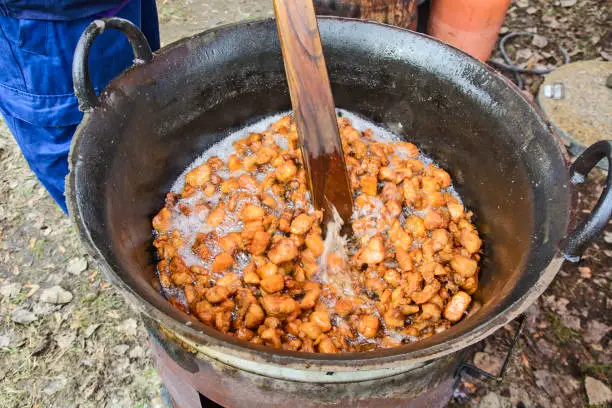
x,y
67,339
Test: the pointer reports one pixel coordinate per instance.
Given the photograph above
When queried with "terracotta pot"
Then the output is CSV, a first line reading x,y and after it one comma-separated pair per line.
x,y
471,25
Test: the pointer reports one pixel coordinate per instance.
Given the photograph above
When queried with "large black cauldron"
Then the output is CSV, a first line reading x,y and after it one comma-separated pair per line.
x,y
158,116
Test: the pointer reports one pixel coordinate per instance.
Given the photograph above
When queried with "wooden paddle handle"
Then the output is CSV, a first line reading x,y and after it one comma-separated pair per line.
x,y
313,105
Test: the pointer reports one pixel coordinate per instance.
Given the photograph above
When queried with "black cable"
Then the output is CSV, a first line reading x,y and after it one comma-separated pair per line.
x,y
511,66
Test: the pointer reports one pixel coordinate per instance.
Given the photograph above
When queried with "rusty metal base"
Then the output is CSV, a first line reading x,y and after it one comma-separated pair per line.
x,y
194,381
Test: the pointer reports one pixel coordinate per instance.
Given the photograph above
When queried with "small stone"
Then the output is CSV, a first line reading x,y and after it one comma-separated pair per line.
x,y
504,30
556,305
520,396
571,322
569,384
55,385
598,392
11,339
56,295
608,235
545,381
539,41
524,54
568,3
137,352
89,331
595,331
43,309
550,21
488,362
120,349
66,341
532,314
547,349
522,3
5,340
493,400
10,290
76,266
128,327
120,365
585,272
23,316
531,10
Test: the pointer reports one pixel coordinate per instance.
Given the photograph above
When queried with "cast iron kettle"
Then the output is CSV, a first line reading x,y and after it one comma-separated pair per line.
x,y
158,116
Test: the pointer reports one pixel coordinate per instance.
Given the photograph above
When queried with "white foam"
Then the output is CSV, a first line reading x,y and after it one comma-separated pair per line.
x,y
335,243
224,148
190,225
345,281
361,124
381,134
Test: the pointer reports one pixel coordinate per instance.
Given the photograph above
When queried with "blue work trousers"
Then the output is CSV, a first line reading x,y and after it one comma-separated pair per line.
x,y
36,91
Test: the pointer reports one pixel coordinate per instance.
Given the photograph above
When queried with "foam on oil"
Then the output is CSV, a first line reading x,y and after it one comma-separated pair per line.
x,y
190,225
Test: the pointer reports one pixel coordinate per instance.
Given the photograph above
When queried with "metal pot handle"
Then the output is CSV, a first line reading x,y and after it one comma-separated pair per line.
x,y
596,221
473,371
83,88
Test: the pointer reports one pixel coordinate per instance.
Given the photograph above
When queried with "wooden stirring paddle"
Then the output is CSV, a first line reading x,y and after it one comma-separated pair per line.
x,y
313,104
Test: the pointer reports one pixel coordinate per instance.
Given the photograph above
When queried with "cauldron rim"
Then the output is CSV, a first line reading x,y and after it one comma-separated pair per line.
x,y
210,340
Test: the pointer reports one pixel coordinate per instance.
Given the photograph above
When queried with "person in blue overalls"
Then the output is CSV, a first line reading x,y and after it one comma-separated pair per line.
x,y
37,42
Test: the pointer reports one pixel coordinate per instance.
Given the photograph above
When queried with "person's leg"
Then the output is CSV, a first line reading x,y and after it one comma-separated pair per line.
x,y
46,151
150,23
36,83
